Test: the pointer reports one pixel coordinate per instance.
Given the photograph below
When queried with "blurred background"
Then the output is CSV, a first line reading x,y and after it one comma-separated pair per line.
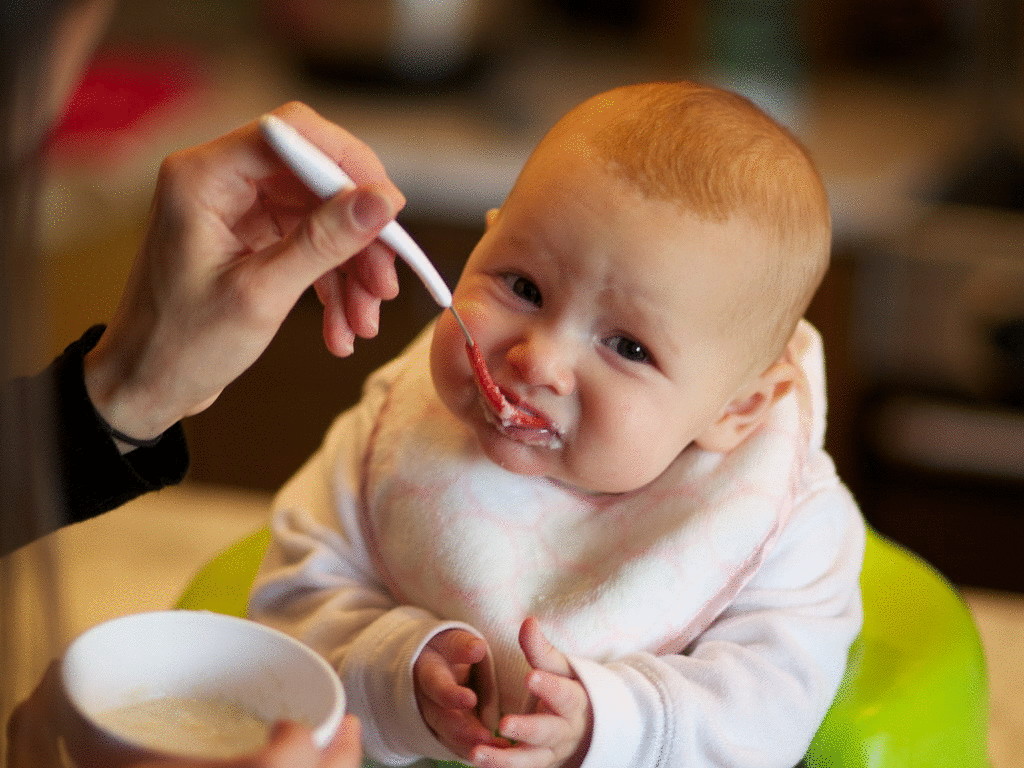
x,y
913,109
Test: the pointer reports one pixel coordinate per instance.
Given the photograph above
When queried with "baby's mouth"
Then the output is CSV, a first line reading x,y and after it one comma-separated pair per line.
x,y
539,437
505,411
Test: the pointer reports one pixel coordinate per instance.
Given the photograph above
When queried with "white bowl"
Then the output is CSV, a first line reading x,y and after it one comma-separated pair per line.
x,y
196,655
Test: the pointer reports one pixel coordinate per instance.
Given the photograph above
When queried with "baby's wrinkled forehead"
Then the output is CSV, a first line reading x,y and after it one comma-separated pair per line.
x,y
717,156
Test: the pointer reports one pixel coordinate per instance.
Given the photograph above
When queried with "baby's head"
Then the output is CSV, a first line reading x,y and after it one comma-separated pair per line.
x,y
718,157
639,285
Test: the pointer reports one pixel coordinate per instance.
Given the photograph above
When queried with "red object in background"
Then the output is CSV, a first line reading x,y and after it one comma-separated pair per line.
x,y
122,97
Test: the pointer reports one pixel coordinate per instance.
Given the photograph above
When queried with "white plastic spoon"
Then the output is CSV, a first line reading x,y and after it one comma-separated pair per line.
x,y
323,176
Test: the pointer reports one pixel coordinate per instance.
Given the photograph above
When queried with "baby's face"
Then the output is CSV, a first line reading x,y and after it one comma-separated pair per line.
x,y
604,312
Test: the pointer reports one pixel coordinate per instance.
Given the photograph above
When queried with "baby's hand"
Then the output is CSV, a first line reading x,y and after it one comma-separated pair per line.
x,y
446,666
557,732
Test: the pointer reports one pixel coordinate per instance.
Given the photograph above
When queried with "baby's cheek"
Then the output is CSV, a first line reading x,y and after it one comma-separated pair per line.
x,y
627,453
446,369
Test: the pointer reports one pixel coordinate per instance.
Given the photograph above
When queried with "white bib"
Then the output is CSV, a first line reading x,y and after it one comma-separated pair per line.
x,y
459,536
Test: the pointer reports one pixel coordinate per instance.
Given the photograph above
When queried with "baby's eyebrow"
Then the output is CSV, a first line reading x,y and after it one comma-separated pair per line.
x,y
519,242
643,318
634,296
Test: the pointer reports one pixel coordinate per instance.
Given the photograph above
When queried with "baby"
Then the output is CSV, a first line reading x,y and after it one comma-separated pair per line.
x,y
652,562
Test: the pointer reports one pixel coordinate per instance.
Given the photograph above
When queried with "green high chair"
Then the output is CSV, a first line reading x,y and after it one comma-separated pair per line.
x,y
914,694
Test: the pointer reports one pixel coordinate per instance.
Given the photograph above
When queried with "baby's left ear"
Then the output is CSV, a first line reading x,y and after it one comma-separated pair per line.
x,y
749,409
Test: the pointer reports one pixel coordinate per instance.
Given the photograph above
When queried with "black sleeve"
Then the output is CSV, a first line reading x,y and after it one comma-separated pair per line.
x,y
95,477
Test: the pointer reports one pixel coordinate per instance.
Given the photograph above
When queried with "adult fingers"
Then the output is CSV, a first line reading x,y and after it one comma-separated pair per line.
x,y
362,308
374,267
355,157
290,745
345,750
352,295
223,175
330,236
34,725
338,334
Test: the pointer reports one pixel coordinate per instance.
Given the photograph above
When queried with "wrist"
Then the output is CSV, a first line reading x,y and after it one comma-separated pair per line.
x,y
130,413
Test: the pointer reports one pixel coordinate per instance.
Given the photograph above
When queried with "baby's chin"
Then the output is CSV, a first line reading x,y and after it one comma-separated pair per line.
x,y
534,453
538,456
532,461
599,478
543,463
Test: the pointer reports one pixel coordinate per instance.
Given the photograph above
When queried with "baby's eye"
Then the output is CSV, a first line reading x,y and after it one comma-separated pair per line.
x,y
625,347
524,288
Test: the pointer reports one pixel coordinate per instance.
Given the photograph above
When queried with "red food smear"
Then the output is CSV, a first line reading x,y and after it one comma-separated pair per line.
x,y
509,414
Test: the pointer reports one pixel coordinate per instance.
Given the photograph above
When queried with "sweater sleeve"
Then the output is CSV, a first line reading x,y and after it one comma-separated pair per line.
x,y
95,476
318,584
59,426
752,690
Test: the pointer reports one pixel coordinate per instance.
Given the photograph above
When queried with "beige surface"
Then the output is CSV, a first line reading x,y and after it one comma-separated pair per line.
x,y
141,556
137,558
1000,618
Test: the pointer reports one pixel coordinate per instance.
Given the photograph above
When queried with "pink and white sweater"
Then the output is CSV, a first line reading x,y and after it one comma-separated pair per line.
x,y
708,615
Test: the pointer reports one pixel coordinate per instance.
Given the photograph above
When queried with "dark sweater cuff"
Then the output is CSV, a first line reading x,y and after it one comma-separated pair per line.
x,y
97,477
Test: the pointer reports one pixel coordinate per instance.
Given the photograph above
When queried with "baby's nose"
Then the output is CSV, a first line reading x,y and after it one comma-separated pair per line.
x,y
543,360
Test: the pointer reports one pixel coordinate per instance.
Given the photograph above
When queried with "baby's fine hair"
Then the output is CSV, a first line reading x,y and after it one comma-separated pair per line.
x,y
718,155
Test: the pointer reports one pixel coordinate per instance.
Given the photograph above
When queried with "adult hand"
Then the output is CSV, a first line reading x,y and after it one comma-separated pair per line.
x,y
39,723
447,666
234,239
557,732
290,746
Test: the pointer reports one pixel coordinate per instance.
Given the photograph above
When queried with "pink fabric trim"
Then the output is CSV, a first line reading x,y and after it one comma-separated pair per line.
x,y
714,607
739,579
370,535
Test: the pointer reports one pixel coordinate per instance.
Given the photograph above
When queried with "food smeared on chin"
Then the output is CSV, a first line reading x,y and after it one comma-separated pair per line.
x,y
510,415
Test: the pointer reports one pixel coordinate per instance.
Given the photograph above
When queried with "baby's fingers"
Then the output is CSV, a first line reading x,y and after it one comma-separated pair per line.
x,y
459,646
459,730
539,730
435,679
563,696
539,652
514,757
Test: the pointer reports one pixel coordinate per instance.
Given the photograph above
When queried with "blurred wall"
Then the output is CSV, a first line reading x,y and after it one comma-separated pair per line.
x,y
912,109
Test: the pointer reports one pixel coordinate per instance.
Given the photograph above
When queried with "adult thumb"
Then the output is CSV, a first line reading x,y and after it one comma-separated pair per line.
x,y
332,234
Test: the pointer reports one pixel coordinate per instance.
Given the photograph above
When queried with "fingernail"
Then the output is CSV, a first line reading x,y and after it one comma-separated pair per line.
x,y
345,346
370,209
393,286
